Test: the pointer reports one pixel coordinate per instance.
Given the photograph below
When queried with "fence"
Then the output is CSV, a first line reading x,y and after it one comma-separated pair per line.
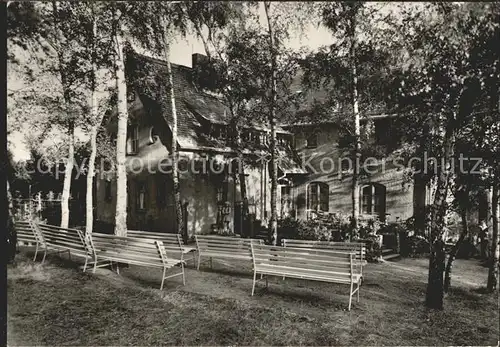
x,y
48,210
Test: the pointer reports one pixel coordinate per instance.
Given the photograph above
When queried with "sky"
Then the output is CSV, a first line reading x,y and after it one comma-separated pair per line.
x,y
181,51
311,38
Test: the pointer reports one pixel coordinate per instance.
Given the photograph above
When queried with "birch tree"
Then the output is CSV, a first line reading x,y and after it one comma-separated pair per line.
x,y
219,25
155,33
52,35
438,90
359,55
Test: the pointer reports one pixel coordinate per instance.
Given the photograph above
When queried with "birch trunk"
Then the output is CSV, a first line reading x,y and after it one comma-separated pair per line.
x,y
121,140
454,250
68,170
273,230
357,129
493,261
175,154
435,285
67,177
89,214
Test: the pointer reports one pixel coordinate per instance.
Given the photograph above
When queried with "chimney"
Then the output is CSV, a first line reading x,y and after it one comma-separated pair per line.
x,y
197,58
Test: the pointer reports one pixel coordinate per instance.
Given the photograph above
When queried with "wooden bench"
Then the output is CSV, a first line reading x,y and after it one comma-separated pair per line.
x,y
358,248
59,240
224,247
135,251
28,236
168,239
323,265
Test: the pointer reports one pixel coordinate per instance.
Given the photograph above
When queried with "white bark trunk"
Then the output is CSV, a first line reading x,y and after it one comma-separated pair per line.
x,y
273,227
121,139
357,127
67,178
494,250
89,215
175,154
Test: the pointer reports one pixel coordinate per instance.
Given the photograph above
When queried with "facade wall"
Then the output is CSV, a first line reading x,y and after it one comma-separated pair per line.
x,y
324,164
198,190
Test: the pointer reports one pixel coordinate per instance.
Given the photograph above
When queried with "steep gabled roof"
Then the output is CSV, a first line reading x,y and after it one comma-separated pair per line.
x,y
196,110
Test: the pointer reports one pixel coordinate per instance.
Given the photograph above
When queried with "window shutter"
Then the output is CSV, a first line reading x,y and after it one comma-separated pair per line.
x,y
366,196
313,196
324,197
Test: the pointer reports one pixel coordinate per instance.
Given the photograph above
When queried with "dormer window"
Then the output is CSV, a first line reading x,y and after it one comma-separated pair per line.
x,y
312,140
246,136
219,132
223,133
153,135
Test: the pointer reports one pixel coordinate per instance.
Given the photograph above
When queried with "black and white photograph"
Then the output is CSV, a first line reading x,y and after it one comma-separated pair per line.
x,y
251,173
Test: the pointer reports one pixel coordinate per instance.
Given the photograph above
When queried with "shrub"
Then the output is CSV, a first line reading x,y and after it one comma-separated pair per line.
x,y
329,227
417,246
368,228
288,228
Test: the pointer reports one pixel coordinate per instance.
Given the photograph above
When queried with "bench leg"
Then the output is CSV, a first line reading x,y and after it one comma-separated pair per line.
x,y
163,278
183,277
253,286
69,254
358,289
199,260
85,265
36,251
44,255
117,268
194,259
350,297
95,265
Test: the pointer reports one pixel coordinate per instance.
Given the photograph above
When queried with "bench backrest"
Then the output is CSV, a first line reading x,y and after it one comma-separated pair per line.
x,y
322,263
167,238
140,251
173,242
26,232
63,238
358,248
225,245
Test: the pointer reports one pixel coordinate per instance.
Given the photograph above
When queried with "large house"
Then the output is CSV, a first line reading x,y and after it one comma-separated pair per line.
x,y
209,188
310,176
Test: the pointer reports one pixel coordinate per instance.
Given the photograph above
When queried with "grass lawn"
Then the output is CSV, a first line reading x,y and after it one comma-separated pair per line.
x,y
56,304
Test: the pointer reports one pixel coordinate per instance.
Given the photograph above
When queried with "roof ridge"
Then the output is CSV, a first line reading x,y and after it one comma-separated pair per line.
x,y
157,60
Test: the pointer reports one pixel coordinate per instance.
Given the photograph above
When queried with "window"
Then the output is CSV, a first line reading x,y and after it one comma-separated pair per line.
x,y
312,140
318,196
222,191
107,191
286,201
133,139
153,135
141,196
373,200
